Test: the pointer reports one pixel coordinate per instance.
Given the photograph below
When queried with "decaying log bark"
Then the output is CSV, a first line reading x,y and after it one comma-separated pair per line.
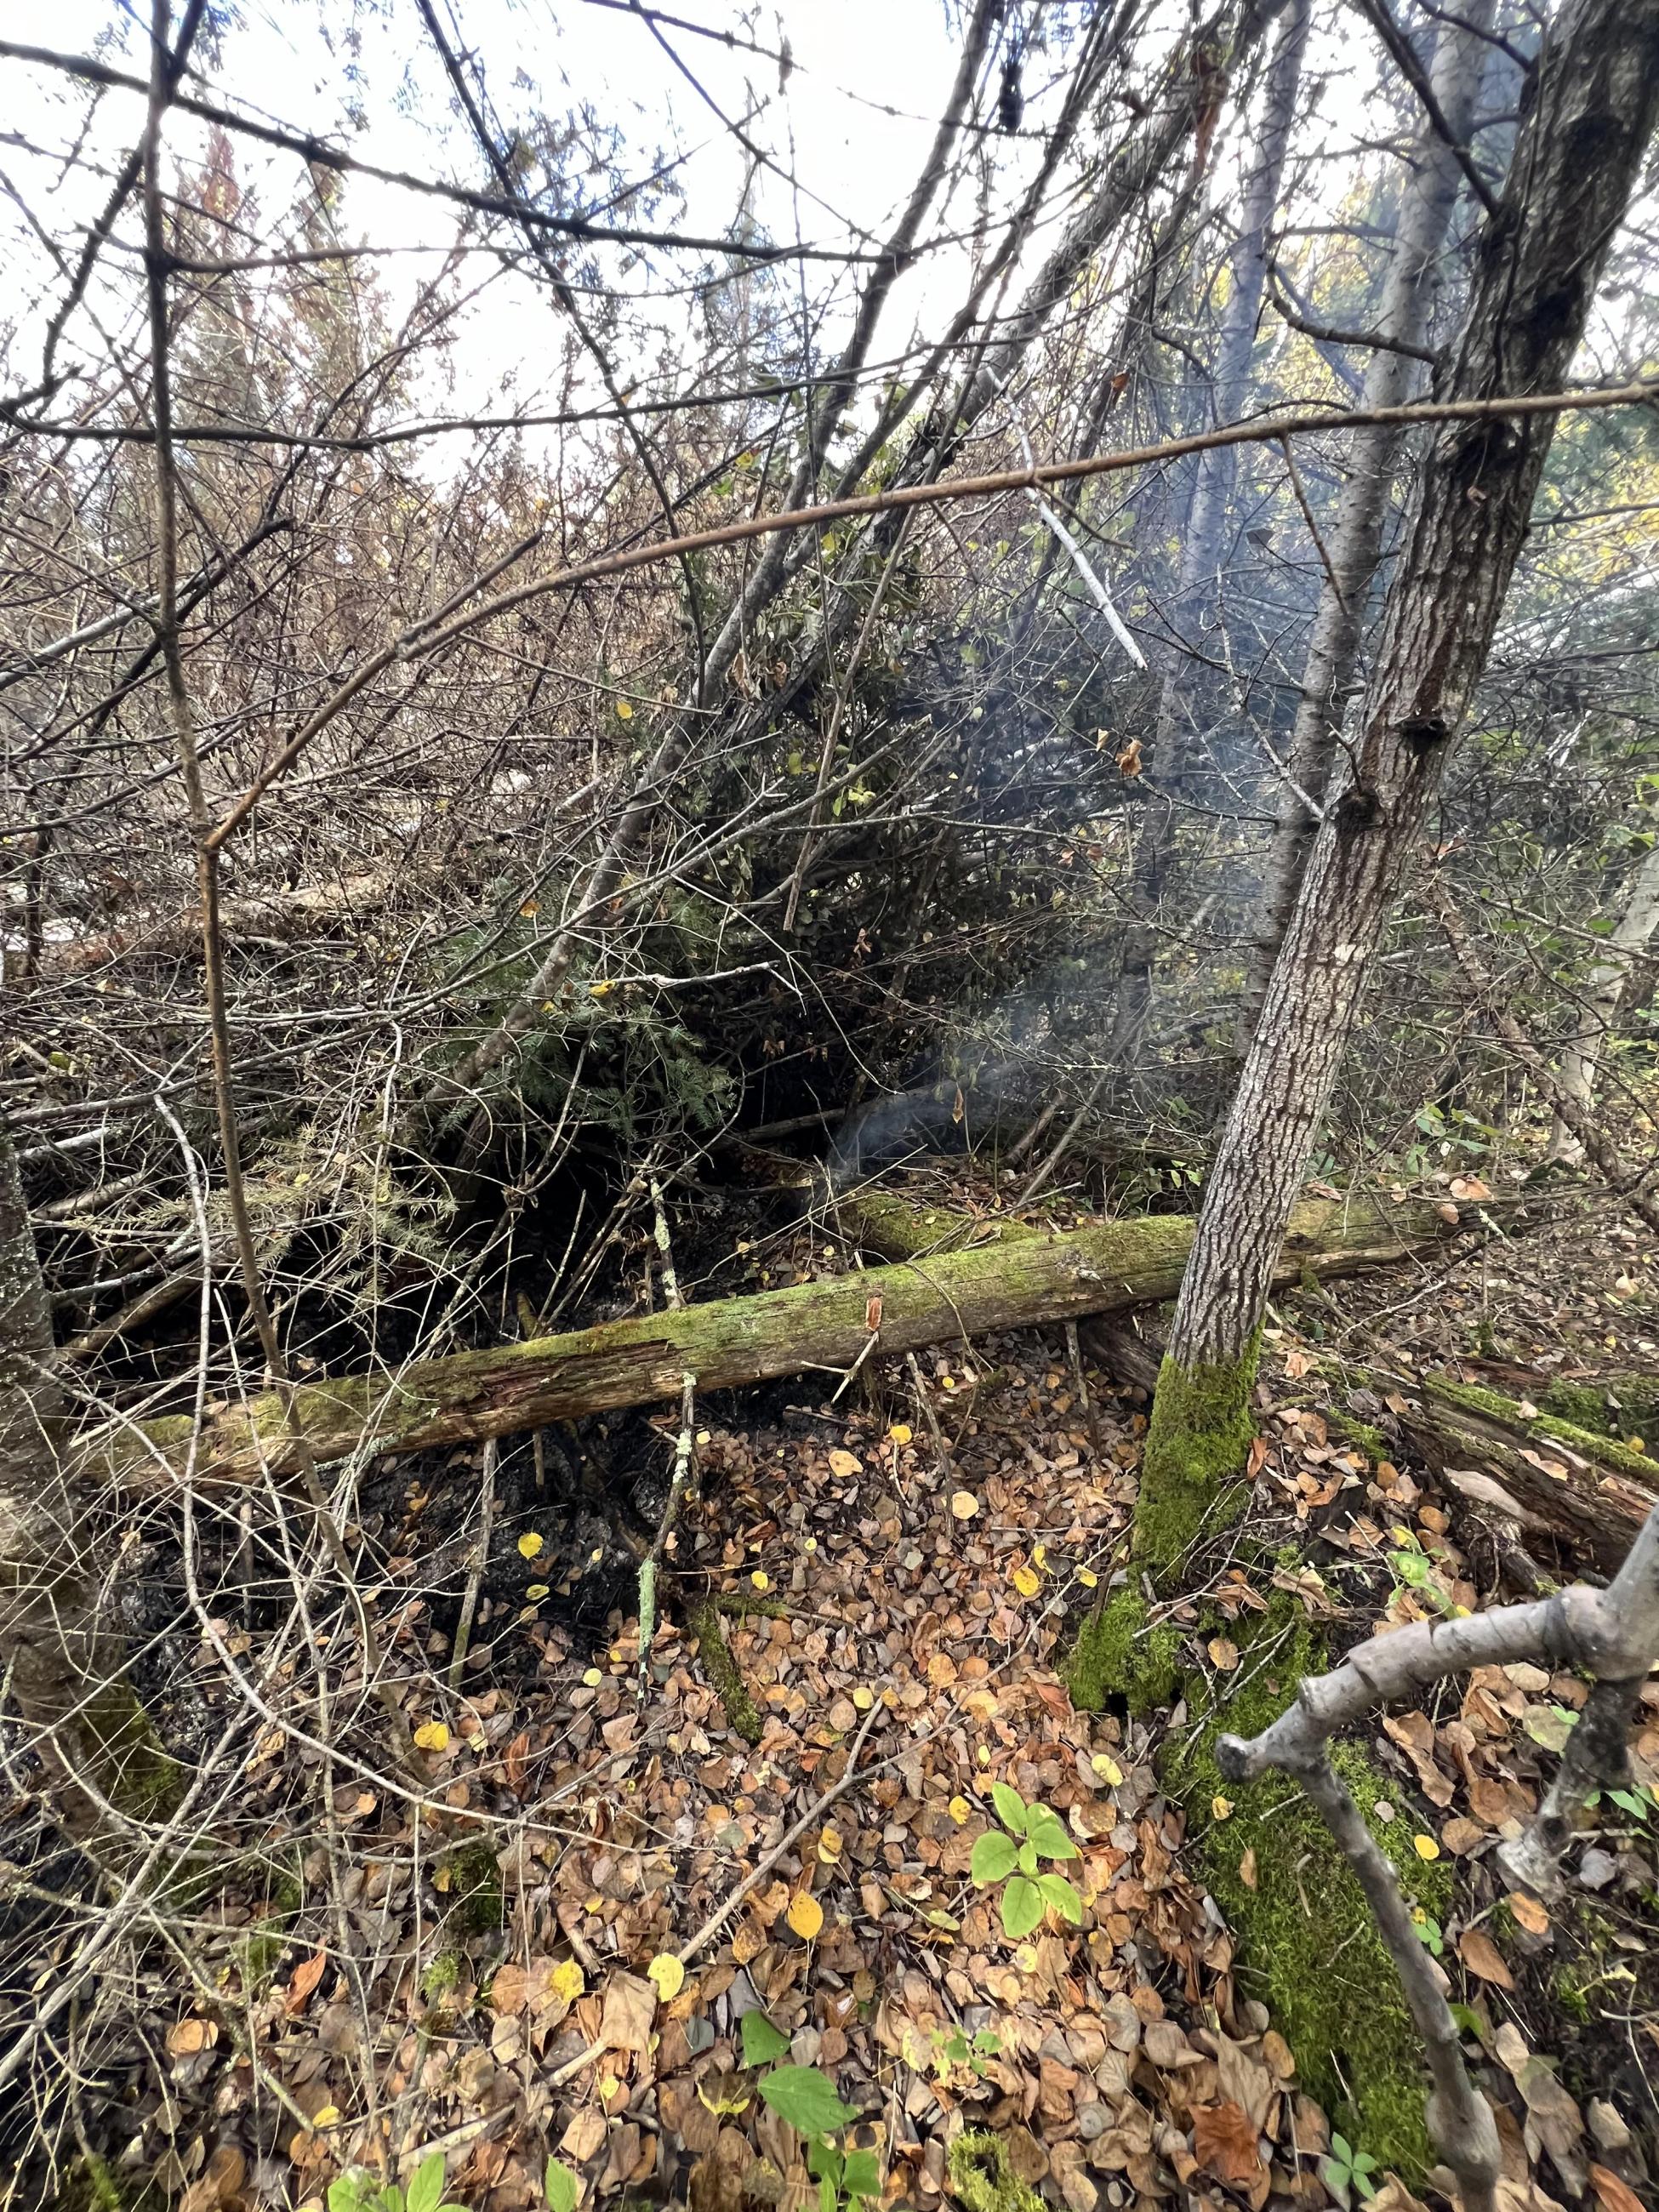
x,y
1590,1489
935,1300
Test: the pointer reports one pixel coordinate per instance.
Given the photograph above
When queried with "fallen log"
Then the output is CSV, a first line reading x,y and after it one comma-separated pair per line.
x,y
514,1387
1537,1469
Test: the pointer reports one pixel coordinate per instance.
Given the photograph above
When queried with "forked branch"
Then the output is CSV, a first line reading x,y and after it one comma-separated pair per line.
x,y
1612,1634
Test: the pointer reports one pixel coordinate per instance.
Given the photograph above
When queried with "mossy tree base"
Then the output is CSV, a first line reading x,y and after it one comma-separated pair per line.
x,y
1307,1946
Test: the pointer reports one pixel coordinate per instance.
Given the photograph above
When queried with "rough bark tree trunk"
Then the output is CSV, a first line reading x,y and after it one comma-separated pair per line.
x,y
1191,692
1404,319
1593,101
65,1668
931,1300
1580,1056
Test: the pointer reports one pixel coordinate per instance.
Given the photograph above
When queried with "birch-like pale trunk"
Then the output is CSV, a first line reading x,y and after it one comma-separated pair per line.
x,y
1405,319
1588,124
1580,1056
1190,689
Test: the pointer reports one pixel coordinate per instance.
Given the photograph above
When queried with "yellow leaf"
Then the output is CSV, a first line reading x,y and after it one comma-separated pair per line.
x,y
1026,1581
328,2118
831,1845
1108,1769
1040,1556
592,1678
529,1545
761,1580
959,1808
1426,1847
624,712
536,1592
600,990
1222,1807
843,1464
901,1432
567,1980
529,907
805,1915
1087,1576
668,1973
864,1699
432,1736
963,1504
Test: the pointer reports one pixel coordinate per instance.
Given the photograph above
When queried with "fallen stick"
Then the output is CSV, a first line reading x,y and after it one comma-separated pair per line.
x,y
510,1388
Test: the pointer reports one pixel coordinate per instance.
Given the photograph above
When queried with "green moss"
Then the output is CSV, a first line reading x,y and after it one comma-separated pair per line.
x,y
440,1976
1634,1411
1196,1448
1491,1405
137,1775
1115,1653
702,1618
1308,1944
981,2177
1371,1441
475,1889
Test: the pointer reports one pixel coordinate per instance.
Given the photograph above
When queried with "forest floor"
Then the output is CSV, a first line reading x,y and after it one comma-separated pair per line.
x,y
555,1953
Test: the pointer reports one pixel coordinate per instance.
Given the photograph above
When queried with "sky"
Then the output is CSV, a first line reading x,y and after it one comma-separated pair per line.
x,y
311,65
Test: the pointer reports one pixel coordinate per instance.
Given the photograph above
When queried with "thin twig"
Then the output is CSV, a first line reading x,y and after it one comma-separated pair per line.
x,y
480,1560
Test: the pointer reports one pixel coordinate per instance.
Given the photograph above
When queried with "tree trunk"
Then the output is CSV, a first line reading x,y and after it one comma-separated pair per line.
x,y
1595,94
935,1300
1187,705
1581,1054
1404,318
65,1670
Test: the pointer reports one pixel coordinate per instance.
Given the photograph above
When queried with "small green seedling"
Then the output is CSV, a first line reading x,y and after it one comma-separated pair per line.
x,y
807,2100
1033,1832
562,2188
356,2191
1346,2168
952,2048
1429,1934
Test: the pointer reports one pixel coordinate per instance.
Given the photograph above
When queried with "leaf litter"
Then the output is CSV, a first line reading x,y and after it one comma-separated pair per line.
x,y
537,1958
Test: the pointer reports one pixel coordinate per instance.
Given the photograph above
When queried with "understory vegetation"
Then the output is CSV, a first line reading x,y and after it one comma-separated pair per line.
x,y
829,1107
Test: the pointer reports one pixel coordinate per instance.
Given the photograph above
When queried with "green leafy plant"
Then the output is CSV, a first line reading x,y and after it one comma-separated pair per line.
x,y
1429,1934
1013,1853
356,2191
807,2100
762,2044
1346,2168
951,2049
560,2186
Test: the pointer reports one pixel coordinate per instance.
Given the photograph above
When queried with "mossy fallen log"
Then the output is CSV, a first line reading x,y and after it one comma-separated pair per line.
x,y
1590,1489
514,1387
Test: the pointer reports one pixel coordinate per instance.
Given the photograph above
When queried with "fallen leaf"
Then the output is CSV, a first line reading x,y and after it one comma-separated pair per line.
x,y
1529,1913
1426,1847
1222,1807
630,2007
1025,1581
1247,1867
1482,1957
668,1973
963,1504
186,2037
1460,1836
305,1978
432,1736
900,1433
530,1544
844,1463
1611,2194
805,1915
1224,2141
1223,1654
